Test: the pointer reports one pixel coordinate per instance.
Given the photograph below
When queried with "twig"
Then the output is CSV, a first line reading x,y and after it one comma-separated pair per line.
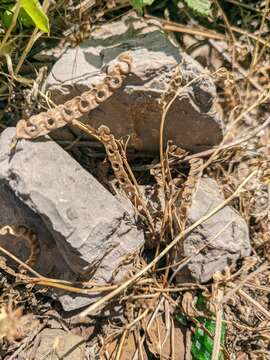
x,y
228,27
262,98
12,25
230,293
129,282
231,144
55,283
241,70
258,287
120,347
34,37
186,260
154,314
27,342
246,6
183,287
171,26
172,340
255,303
139,318
13,257
218,328
188,345
255,57
252,36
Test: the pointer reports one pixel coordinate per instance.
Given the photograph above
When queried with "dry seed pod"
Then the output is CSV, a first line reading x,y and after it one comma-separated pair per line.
x,y
190,189
45,122
27,234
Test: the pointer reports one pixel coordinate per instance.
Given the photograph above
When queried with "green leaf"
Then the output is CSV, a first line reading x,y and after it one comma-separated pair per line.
x,y
36,13
23,17
7,15
140,4
202,7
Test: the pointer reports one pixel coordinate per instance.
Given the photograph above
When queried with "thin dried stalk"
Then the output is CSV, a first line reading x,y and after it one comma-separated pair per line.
x,y
255,303
34,37
228,27
262,268
218,327
171,26
172,340
12,25
187,259
120,347
155,312
255,58
20,262
261,99
135,321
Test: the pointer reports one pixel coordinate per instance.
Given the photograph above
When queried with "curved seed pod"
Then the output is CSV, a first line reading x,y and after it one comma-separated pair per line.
x,y
26,130
73,109
116,160
70,110
125,63
190,189
102,93
114,81
33,127
87,102
27,234
54,118
105,135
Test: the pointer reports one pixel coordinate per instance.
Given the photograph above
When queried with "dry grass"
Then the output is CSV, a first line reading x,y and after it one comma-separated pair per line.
x,y
150,297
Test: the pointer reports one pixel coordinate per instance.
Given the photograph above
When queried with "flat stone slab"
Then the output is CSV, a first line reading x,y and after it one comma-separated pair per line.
x,y
134,111
84,231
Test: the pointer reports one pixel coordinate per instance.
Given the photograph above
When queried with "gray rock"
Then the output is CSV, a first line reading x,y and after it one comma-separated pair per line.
x,y
57,344
230,245
135,110
86,231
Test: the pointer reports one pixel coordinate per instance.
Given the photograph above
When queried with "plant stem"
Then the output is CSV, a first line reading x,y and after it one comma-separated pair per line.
x,y
12,25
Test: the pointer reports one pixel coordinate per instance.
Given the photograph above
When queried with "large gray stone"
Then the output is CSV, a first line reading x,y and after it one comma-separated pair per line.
x,y
231,244
135,110
84,231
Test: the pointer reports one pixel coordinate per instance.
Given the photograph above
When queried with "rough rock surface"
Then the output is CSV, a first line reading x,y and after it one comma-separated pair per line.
x,y
57,344
135,111
230,245
84,231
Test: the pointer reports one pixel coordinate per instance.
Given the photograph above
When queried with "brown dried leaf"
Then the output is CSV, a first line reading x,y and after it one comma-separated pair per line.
x,y
129,348
159,341
188,305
